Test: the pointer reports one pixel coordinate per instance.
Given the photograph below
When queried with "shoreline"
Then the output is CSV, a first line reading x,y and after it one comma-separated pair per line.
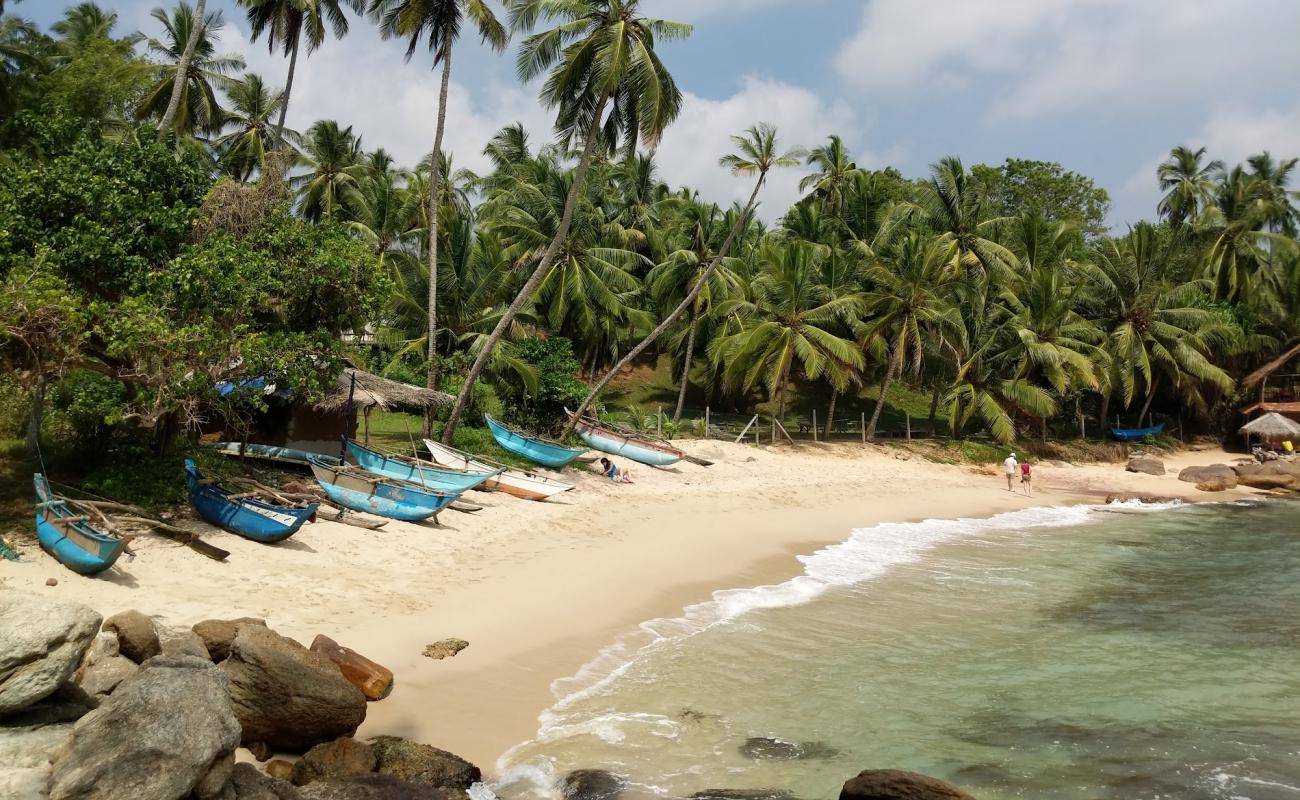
x,y
539,590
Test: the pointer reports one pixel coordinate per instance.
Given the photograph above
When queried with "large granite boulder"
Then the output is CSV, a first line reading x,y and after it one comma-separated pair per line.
x,y
1146,464
287,696
137,638
218,634
592,784
340,759
374,680
897,784
165,732
103,668
182,642
248,783
1270,475
43,643
25,758
420,763
376,787
1214,472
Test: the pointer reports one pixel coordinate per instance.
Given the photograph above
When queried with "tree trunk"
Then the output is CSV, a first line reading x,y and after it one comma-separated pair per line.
x,y
36,415
672,318
182,71
288,87
1105,408
542,270
830,414
934,407
435,185
884,389
1147,405
686,370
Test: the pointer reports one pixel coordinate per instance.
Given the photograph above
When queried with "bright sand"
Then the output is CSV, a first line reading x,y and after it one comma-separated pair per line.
x,y
538,589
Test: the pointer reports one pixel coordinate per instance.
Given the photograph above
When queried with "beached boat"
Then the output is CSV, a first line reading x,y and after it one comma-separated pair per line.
x,y
533,448
69,536
517,482
262,452
246,516
376,494
1137,434
421,473
641,449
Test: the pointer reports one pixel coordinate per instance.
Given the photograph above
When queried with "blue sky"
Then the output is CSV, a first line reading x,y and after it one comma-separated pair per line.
x,y
1105,87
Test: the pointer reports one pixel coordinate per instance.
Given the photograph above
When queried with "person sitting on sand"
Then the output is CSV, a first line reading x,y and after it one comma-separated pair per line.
x,y
615,474
1010,465
1026,482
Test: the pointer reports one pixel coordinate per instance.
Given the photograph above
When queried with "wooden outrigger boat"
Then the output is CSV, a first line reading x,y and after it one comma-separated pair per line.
x,y
247,516
359,490
69,536
412,470
1137,434
262,452
641,449
533,448
517,482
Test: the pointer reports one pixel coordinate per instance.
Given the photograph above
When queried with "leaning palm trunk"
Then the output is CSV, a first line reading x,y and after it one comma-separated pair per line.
x,y
884,389
1105,408
686,368
934,407
1151,395
672,318
288,87
830,414
182,71
534,280
435,185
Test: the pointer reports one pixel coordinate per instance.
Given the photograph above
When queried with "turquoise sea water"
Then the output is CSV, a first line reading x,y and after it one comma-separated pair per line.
x,y
1078,653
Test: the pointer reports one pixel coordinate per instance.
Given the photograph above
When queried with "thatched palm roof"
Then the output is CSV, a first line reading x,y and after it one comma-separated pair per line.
x,y
1272,426
383,393
1271,367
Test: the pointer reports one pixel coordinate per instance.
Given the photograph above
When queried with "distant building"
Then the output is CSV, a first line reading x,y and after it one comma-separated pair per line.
x,y
1278,391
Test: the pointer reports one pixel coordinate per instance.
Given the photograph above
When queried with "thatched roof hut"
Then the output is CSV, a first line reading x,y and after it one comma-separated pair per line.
x,y
1272,427
372,391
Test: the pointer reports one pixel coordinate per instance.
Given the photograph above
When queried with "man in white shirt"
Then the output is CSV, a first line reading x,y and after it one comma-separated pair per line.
x,y
1010,465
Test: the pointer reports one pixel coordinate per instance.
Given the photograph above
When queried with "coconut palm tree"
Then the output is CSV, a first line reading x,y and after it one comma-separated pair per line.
x,y
955,208
1271,194
87,23
244,149
600,56
1239,246
336,169
381,210
835,174
184,96
1188,184
18,51
758,154
438,22
286,22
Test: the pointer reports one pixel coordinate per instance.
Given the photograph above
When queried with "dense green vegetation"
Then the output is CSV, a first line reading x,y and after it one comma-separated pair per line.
x,y
144,256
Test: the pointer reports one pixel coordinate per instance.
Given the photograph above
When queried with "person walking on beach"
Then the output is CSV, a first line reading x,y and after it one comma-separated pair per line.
x,y
1026,482
1010,465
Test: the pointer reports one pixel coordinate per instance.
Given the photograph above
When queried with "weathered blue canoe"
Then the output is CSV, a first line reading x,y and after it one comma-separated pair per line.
x,y
629,445
531,447
376,494
252,519
1137,434
69,536
264,452
424,474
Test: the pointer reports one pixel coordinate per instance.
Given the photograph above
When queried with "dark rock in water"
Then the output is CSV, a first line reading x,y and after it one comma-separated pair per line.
x,y
1146,464
137,639
247,783
768,748
164,732
742,794
897,784
592,784
342,758
984,775
43,643
1213,472
377,787
287,696
420,763
218,634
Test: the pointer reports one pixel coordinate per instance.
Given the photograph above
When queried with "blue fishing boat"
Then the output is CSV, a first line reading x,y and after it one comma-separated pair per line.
x,y
641,449
69,536
250,518
376,494
533,448
422,473
1137,434
262,452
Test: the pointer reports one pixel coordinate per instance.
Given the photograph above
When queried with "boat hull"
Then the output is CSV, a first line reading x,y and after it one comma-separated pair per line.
x,y
532,448
263,452
443,480
517,483
76,545
1136,434
376,494
618,444
260,522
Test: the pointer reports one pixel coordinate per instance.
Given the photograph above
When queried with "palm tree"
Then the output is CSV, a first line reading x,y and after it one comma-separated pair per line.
x,y
1239,246
252,105
1188,184
285,22
185,94
438,21
836,173
956,209
18,51
601,54
336,169
758,155
87,23
381,212
1270,192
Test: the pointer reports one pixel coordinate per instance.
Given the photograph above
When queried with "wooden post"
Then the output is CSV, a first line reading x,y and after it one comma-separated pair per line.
x,y
365,415
863,422
659,421
814,424
746,430
909,425
706,422
773,430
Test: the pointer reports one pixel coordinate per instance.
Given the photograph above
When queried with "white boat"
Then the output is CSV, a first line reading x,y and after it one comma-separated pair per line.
x,y
517,482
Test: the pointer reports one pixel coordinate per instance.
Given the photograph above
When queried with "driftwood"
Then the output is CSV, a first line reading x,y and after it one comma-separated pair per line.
x,y
374,680
465,507
345,516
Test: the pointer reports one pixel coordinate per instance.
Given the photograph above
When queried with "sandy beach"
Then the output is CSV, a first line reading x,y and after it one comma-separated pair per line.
x,y
539,589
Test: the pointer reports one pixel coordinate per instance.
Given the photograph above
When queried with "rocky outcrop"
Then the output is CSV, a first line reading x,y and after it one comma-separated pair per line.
x,y
896,784
165,732
420,763
592,784
287,696
137,639
102,667
25,758
374,680
762,748
247,783
376,787
217,634
1146,464
1219,472
182,642
1270,475
340,759
44,641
